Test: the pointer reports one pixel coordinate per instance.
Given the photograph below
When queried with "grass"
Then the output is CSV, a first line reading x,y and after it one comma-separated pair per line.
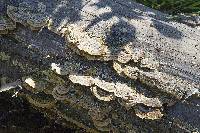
x,y
174,7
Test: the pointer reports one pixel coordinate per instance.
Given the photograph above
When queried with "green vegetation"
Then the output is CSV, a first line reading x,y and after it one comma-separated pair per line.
x,y
174,6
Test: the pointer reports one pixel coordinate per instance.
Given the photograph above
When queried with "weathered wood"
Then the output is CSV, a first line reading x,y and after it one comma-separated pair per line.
x,y
103,65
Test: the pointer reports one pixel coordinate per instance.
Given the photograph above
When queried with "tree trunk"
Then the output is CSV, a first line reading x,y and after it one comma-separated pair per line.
x,y
103,65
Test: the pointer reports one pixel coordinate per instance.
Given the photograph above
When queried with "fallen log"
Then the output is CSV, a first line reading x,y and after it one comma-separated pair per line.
x,y
103,65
